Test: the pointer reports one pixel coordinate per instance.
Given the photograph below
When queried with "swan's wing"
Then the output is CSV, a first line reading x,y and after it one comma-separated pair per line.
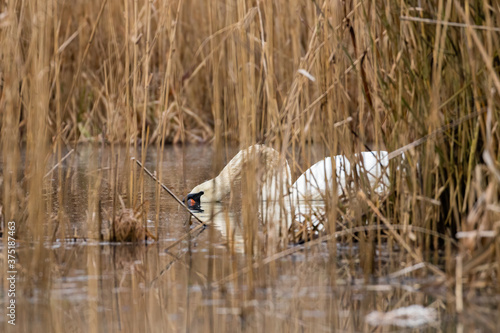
x,y
314,183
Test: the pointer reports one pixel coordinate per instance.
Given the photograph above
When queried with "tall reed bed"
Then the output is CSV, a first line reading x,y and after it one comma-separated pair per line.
x,y
349,75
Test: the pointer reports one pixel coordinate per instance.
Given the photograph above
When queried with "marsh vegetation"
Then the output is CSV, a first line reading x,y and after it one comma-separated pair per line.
x,y
182,86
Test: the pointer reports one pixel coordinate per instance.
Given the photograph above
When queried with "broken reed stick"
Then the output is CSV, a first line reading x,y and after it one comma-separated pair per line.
x,y
168,191
187,234
59,163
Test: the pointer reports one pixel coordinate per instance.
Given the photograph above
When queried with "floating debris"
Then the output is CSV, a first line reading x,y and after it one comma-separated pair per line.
x,y
410,316
127,225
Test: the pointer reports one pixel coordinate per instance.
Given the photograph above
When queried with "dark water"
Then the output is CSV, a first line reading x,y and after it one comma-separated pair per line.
x,y
203,283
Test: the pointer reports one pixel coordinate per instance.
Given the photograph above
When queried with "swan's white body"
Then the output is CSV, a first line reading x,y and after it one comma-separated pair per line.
x,y
311,185
275,184
317,181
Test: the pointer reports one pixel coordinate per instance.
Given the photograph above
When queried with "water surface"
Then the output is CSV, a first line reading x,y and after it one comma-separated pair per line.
x,y
202,283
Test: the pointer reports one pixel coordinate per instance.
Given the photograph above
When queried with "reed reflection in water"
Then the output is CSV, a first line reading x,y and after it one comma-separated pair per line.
x,y
204,283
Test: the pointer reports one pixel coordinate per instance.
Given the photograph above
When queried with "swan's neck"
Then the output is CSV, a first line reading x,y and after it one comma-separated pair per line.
x,y
272,183
217,188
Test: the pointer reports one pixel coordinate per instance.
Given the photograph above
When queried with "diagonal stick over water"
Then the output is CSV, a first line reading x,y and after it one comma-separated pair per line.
x,y
168,191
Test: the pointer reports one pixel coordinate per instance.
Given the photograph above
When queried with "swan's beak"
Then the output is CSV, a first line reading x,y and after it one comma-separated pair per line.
x,y
193,201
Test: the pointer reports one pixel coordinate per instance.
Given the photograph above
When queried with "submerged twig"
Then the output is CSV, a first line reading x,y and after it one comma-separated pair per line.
x,y
150,174
199,228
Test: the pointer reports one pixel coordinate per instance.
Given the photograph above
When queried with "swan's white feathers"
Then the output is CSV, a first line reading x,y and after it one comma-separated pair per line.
x,y
317,180
273,175
273,180
270,169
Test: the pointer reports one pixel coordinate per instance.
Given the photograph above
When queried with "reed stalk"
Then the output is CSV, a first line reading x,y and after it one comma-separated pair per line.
x,y
412,77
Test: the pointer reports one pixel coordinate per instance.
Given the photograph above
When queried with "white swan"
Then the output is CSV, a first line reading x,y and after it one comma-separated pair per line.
x,y
274,179
282,203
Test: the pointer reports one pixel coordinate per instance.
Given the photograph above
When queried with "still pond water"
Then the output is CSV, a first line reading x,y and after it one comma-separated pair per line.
x,y
200,284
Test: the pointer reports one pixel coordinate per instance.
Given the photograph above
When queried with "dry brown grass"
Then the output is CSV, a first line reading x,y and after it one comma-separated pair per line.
x,y
128,227
344,74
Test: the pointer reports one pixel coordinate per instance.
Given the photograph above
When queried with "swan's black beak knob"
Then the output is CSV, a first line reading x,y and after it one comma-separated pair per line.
x,y
193,201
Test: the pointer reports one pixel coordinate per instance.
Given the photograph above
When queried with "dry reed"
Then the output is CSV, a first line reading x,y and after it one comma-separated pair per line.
x,y
345,75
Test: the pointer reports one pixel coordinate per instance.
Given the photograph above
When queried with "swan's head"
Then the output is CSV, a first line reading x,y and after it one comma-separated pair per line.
x,y
211,192
192,201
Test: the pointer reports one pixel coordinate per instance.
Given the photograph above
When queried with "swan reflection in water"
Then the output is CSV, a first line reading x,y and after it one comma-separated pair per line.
x,y
228,221
280,201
